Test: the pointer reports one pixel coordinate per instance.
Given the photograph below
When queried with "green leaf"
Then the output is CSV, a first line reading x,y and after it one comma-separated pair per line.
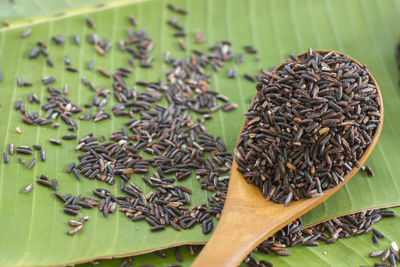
x,y
34,222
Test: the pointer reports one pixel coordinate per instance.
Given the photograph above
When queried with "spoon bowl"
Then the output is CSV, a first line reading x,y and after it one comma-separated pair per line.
x,y
248,219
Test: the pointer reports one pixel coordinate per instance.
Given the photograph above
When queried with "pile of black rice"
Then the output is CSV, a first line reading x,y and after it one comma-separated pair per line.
x,y
308,126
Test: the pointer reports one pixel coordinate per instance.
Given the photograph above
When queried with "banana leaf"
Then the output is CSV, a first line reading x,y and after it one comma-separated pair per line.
x,y
21,11
35,223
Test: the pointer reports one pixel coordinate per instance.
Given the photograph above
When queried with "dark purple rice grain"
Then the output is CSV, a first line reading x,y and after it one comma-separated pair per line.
x,y
67,60
90,23
374,239
179,34
34,52
6,158
59,39
24,147
181,11
369,171
378,234
26,33
178,254
19,80
41,44
239,58
160,253
385,254
54,184
250,49
73,207
231,73
71,69
49,62
44,177
174,23
11,148
66,89
77,40
132,62
172,8
85,205
103,72
177,10
70,167
76,199
18,104
25,120
199,37
70,211
397,55
68,200
48,79
157,228
376,253
77,174
69,136
27,84
44,182
132,19
249,77
44,52
37,147
387,213
31,163
42,155
90,65
392,259
55,141
21,160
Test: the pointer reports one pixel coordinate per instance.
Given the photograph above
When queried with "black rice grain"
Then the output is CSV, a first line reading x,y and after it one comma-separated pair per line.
x,y
6,158
31,163
55,141
45,183
302,138
26,33
48,79
90,23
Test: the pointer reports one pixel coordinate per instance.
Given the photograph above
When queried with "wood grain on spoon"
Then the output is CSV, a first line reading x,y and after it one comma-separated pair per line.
x,y
248,219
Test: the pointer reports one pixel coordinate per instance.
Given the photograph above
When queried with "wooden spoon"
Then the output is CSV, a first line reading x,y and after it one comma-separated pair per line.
x,y
248,219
